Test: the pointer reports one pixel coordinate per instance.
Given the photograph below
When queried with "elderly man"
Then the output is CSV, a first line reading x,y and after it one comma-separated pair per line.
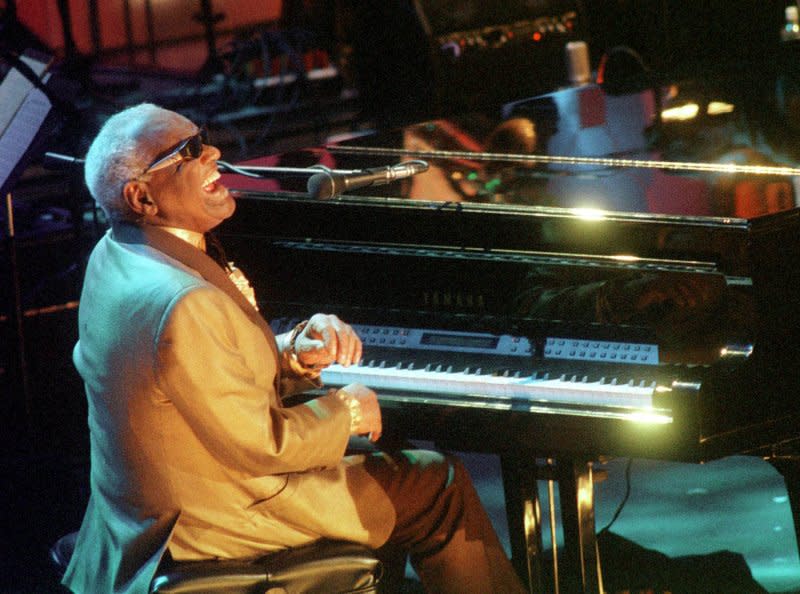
x,y
192,450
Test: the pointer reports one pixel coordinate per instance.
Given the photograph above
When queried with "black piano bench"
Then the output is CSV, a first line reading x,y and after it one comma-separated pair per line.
x,y
324,567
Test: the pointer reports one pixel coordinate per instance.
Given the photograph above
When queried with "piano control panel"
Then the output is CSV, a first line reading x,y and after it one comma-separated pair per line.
x,y
419,339
601,351
429,340
422,340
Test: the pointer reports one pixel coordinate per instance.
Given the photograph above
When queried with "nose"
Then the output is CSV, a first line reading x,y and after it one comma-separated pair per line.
x,y
210,153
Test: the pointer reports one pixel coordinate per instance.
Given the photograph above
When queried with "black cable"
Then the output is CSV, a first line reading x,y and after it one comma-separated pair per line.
x,y
624,498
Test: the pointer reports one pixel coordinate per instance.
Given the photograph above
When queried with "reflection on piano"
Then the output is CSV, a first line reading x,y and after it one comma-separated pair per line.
x,y
506,319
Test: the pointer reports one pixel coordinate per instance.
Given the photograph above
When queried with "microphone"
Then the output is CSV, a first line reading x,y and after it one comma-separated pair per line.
x,y
327,183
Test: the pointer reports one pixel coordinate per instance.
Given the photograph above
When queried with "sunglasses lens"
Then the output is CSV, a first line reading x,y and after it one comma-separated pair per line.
x,y
196,142
193,147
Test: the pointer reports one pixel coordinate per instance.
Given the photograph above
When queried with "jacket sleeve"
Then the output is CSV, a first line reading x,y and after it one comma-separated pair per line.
x,y
203,369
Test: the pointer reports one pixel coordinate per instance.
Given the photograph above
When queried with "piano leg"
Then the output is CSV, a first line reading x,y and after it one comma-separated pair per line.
x,y
577,568
577,514
524,516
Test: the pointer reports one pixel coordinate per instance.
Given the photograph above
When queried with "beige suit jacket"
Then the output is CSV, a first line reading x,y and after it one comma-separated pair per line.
x,y
191,449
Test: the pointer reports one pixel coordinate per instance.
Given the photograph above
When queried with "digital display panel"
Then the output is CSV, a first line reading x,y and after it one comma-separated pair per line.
x,y
459,340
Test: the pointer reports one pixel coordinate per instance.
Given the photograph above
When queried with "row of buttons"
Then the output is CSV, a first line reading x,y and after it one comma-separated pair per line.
x,y
387,336
617,346
595,355
383,340
494,37
567,348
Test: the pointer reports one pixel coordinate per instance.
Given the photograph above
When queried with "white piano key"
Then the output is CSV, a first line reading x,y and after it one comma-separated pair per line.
x,y
564,389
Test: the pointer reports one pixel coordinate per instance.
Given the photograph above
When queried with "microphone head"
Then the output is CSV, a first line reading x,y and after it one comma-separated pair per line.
x,y
417,166
321,185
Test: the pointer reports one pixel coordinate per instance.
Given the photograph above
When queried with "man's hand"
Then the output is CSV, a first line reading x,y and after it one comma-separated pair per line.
x,y
326,339
371,423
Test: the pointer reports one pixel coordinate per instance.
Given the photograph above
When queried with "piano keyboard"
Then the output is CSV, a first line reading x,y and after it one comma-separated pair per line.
x,y
512,387
482,369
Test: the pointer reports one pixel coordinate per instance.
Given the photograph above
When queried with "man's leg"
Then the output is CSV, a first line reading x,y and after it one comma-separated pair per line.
x,y
442,523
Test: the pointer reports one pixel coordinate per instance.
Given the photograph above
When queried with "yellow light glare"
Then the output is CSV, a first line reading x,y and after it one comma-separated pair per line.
x,y
680,113
585,495
650,418
589,214
719,107
736,351
625,258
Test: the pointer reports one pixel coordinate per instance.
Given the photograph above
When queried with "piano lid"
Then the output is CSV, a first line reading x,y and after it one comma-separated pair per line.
x,y
684,176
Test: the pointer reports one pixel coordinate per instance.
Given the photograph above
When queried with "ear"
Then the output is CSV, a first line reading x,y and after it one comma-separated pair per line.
x,y
135,194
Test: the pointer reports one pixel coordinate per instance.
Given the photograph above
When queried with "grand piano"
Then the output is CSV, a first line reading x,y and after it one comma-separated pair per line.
x,y
564,282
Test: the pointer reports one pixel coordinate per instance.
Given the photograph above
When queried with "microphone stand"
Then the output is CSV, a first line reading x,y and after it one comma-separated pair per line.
x,y
259,172
325,182
21,381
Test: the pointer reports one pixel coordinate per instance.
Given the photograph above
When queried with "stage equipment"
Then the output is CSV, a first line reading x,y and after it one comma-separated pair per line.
x,y
430,57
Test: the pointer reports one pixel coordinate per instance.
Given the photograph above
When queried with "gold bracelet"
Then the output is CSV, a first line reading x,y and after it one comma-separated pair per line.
x,y
293,336
354,406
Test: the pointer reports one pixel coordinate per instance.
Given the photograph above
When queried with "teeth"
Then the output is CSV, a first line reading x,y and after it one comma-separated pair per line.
x,y
211,178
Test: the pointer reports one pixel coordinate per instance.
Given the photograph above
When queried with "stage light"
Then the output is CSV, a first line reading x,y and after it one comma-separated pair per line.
x,y
680,113
719,107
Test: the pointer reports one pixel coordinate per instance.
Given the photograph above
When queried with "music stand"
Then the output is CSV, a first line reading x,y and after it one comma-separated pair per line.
x,y
26,109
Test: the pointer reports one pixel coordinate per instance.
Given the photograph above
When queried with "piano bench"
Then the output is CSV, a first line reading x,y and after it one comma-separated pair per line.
x,y
324,567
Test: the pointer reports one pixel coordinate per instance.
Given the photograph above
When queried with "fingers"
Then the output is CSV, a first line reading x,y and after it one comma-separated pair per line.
x,y
333,340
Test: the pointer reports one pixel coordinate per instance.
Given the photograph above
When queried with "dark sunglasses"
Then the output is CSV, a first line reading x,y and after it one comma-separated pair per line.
x,y
188,148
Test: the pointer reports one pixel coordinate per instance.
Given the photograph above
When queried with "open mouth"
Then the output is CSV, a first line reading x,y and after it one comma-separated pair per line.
x,y
210,184
216,194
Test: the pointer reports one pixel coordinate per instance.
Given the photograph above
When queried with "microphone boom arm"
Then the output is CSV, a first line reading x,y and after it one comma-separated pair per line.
x,y
260,171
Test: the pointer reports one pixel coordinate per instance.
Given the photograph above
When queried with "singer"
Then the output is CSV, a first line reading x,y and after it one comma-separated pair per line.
x,y
192,451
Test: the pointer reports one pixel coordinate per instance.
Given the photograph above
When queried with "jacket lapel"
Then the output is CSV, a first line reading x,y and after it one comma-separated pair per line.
x,y
199,261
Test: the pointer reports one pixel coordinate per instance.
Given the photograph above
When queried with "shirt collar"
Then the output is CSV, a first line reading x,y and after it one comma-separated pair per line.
x,y
194,238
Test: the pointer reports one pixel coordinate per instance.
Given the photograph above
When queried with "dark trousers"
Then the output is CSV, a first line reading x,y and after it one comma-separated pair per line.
x,y
441,524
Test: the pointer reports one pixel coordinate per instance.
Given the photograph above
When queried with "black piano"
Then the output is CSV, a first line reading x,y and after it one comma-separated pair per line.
x,y
563,282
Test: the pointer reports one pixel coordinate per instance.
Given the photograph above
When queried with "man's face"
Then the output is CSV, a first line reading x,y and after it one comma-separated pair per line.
x,y
186,192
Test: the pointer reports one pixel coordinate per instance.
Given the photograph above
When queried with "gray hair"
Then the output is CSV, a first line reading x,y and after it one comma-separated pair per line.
x,y
121,152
